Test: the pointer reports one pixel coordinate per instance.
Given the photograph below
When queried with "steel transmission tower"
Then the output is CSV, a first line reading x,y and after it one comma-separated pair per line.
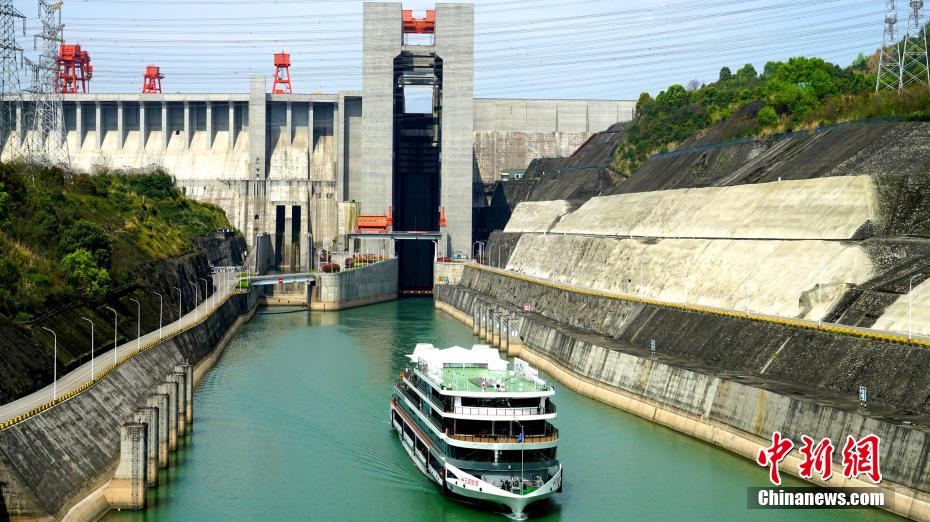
x,y
889,62
9,76
914,65
47,143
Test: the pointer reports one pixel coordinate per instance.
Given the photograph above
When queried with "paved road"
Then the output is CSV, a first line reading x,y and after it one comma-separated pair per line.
x,y
223,283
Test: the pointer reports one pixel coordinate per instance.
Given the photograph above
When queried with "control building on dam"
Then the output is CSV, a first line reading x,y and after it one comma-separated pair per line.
x,y
302,167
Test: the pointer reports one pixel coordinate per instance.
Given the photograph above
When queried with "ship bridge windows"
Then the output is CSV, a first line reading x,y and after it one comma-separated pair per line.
x,y
510,429
484,402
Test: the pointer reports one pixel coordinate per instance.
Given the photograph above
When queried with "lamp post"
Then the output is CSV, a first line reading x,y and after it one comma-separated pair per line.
x,y
206,297
91,347
161,307
115,319
196,299
910,299
138,322
180,299
54,364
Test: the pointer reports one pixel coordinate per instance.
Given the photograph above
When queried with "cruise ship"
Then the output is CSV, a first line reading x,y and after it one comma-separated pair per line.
x,y
479,426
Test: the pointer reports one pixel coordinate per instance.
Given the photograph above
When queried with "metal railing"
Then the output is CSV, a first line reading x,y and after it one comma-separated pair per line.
x,y
552,435
503,411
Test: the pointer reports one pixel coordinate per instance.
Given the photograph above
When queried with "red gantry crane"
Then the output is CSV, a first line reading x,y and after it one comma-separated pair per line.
x,y
74,70
282,74
425,25
152,81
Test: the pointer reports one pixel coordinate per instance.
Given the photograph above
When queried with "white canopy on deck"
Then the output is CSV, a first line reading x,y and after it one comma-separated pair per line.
x,y
435,359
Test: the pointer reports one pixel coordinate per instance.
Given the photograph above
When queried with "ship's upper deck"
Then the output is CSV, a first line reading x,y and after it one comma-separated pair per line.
x,y
476,379
476,371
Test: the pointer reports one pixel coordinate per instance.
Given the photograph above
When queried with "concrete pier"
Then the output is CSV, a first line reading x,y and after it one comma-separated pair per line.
x,y
149,417
127,488
357,287
181,379
160,402
171,389
188,372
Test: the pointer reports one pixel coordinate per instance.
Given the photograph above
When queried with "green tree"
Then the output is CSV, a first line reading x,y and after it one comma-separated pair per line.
x,y
85,278
83,234
747,72
675,96
725,74
644,101
157,185
767,117
861,63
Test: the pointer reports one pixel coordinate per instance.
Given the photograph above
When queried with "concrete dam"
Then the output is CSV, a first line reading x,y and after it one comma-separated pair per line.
x,y
299,167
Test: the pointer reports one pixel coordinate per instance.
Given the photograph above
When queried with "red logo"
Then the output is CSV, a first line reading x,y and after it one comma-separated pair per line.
x,y
861,456
774,454
819,458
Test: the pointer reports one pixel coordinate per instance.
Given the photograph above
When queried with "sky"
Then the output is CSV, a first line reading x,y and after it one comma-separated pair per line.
x,y
608,49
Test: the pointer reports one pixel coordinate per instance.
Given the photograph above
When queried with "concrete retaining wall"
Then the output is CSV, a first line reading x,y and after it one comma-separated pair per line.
x,y
448,273
510,133
53,460
910,313
815,361
356,287
537,216
825,208
737,413
801,279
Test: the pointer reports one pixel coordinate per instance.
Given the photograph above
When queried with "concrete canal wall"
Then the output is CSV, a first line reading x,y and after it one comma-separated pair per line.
x,y
90,453
371,284
728,381
447,273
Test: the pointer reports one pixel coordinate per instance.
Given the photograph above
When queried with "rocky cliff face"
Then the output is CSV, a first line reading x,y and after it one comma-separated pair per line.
x,y
27,363
222,248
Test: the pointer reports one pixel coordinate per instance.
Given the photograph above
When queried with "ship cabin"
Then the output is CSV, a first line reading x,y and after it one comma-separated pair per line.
x,y
478,408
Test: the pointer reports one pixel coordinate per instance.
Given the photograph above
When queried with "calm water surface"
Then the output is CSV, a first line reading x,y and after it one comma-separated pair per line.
x,y
292,424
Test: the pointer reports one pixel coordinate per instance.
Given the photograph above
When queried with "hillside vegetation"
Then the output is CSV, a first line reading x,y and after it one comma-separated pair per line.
x,y
68,238
801,93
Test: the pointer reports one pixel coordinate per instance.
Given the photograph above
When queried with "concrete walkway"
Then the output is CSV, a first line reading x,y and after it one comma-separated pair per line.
x,y
223,286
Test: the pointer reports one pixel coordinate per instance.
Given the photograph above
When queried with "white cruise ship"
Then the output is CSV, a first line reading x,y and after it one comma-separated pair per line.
x,y
479,426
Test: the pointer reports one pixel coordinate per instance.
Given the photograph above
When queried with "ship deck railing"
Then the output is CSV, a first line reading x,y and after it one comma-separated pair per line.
x,y
504,411
491,411
552,436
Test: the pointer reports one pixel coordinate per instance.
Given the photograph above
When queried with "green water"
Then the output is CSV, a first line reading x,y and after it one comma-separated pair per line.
x,y
292,424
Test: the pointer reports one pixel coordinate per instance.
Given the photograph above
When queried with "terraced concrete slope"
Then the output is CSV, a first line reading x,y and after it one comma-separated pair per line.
x,y
829,208
909,313
801,279
537,216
